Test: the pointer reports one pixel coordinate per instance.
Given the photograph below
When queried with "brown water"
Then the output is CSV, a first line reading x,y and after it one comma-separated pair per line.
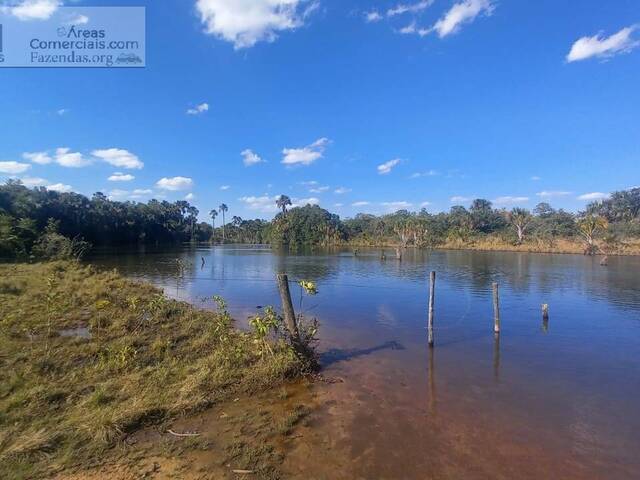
x,y
555,401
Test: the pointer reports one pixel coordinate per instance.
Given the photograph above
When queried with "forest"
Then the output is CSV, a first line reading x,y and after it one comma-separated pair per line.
x,y
41,223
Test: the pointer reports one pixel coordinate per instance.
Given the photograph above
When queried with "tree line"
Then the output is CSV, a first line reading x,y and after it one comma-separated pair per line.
x,y
27,215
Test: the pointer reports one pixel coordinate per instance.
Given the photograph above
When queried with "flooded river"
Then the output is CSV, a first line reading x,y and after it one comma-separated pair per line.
x,y
541,401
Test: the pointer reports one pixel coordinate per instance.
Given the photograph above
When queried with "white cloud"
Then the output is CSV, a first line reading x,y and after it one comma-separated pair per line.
x,y
372,16
460,199
409,8
341,190
225,187
14,167
41,158
508,200
190,196
121,177
28,10
265,203
461,13
119,158
553,193
62,111
428,173
396,205
175,183
360,204
535,178
386,167
309,183
319,189
338,205
247,22
305,155
250,158
425,204
117,194
141,191
34,182
66,158
603,47
301,202
78,19
198,109
594,196
60,187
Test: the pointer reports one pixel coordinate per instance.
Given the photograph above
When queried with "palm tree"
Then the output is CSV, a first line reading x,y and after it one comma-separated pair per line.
x,y
223,208
213,214
282,203
520,219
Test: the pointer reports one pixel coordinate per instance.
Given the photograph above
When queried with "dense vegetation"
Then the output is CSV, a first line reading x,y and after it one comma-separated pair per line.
x,y
36,222
89,358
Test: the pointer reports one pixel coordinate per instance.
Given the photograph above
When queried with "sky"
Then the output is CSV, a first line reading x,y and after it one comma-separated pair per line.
x,y
358,106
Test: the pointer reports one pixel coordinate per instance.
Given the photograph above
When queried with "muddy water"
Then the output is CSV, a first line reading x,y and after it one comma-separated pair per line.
x,y
541,401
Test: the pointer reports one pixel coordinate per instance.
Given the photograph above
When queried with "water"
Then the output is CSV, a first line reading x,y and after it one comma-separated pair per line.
x,y
555,401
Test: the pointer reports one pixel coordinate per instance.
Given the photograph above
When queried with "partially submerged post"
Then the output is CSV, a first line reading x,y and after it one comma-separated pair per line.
x,y
287,306
496,308
398,253
432,287
545,317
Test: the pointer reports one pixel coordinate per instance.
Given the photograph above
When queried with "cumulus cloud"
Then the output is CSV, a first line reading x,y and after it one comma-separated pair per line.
x,y
250,158
301,202
600,46
140,193
386,167
175,184
264,203
508,200
34,182
425,204
594,196
341,190
305,155
117,194
225,187
460,199
198,109
553,193
120,177
66,158
60,187
319,189
12,167
119,158
28,10
41,158
461,13
360,204
247,22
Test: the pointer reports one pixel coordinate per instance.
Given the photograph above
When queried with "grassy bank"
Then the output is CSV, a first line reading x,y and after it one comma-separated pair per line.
x,y
89,358
490,243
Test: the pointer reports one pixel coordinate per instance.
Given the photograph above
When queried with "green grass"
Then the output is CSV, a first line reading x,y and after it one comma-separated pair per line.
x,y
67,401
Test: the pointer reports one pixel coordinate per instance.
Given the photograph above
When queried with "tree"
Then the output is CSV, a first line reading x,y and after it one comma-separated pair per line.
x,y
213,214
589,226
282,203
223,208
520,219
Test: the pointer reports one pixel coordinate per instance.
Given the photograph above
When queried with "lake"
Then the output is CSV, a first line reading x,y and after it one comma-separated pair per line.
x,y
541,401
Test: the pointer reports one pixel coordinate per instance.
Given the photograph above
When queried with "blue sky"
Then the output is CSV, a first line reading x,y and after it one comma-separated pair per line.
x,y
364,106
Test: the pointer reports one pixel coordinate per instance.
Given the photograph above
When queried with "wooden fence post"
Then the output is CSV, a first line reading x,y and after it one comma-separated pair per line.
x,y
496,308
545,317
287,306
432,288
